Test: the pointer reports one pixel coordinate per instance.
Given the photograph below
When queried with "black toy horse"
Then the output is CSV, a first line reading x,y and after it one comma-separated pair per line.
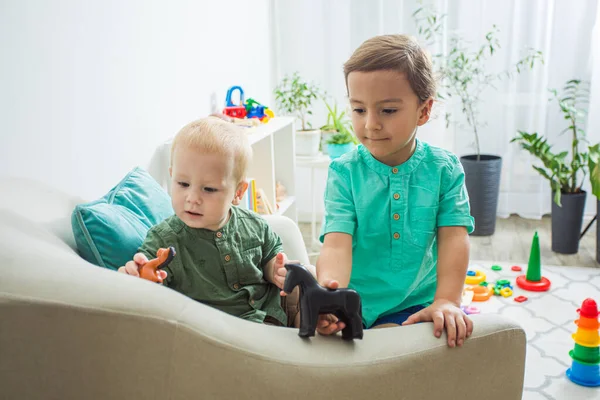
x,y
316,299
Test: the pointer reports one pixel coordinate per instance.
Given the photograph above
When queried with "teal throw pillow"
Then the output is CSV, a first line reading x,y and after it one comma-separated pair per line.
x,y
108,231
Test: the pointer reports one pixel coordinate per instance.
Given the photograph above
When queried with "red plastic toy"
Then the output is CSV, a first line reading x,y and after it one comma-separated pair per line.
x,y
150,270
520,299
233,110
589,309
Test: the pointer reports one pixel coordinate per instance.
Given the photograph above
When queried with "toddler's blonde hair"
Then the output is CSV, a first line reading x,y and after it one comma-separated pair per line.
x,y
401,53
216,136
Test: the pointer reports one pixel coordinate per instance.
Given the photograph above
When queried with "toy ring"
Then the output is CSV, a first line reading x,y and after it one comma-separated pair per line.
x,y
476,279
480,293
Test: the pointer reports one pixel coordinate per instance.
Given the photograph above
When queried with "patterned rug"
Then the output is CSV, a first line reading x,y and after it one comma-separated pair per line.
x,y
548,319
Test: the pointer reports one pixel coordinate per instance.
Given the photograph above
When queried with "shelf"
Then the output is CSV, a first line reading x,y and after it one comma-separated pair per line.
x,y
285,205
258,133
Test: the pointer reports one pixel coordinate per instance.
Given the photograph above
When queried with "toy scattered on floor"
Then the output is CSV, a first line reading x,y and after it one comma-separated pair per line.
x,y
503,288
520,299
496,268
480,293
585,367
474,277
533,280
150,270
501,283
516,268
469,310
249,109
316,299
482,290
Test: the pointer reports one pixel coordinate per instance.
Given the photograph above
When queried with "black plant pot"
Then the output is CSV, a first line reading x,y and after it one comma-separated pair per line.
x,y
482,179
566,222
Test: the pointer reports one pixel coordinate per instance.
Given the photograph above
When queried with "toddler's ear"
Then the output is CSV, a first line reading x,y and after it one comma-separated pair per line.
x,y
239,192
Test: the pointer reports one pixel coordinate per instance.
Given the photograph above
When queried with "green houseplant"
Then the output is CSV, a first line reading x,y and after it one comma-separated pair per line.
x,y
566,171
295,96
464,76
340,143
337,132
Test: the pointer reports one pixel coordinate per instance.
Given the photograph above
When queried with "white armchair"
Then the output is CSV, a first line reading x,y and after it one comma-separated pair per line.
x,y
71,330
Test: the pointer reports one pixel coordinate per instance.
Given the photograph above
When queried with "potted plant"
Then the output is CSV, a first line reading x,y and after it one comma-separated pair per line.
x,y
464,76
337,125
566,170
295,96
340,143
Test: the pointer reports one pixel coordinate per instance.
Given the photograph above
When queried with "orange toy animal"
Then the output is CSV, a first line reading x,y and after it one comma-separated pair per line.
x,y
149,270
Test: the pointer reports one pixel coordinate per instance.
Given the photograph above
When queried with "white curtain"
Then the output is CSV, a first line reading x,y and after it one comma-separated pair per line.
x,y
316,37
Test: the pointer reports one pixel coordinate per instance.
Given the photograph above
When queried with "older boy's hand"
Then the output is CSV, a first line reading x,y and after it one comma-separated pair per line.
x,y
445,314
328,324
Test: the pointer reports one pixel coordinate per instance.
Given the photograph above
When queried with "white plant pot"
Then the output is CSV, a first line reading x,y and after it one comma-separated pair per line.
x,y
307,142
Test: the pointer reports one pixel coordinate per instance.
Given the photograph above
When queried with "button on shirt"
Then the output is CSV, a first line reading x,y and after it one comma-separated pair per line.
x,y
393,214
224,268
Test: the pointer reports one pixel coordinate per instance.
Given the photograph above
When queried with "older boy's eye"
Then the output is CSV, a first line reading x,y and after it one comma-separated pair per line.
x,y
358,110
183,184
389,111
210,190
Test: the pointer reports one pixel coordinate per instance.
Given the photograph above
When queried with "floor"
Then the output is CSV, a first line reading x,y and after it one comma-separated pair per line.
x,y
548,319
512,242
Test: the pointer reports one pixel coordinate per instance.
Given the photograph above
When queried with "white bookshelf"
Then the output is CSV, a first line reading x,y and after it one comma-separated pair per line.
x,y
274,161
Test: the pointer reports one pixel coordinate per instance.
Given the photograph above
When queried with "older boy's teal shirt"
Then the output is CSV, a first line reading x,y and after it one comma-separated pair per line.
x,y
393,214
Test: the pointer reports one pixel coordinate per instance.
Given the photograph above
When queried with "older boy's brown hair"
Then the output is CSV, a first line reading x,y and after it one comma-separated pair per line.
x,y
400,53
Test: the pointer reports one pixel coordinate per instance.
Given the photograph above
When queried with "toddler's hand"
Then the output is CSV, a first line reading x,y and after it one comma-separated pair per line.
x,y
133,267
444,313
279,271
328,324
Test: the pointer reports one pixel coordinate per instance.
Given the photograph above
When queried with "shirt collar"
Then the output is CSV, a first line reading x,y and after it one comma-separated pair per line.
x,y
206,233
405,168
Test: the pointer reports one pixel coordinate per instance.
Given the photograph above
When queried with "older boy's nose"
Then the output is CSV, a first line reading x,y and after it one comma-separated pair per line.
x,y
372,122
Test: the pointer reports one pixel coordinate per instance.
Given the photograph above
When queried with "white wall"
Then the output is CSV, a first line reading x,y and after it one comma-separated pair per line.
x,y
88,89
